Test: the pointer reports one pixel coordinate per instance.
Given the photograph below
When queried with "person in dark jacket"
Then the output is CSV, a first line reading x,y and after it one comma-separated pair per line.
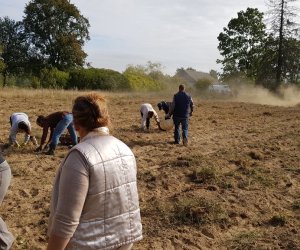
x,y
182,108
57,122
6,238
165,106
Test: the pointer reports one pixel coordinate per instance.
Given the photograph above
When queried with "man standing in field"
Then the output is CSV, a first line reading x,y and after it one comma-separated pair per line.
x,y
181,109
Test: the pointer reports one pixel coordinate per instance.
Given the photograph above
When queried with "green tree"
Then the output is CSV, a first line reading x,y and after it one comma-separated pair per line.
x,y
2,64
15,48
214,74
203,84
284,28
291,62
93,78
241,44
57,31
53,78
266,73
190,68
139,79
154,70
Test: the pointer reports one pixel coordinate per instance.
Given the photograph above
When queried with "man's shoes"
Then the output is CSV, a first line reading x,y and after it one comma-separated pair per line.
x,y
185,142
175,142
50,152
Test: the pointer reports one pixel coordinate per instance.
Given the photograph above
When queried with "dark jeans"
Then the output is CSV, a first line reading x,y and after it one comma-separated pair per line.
x,y
184,126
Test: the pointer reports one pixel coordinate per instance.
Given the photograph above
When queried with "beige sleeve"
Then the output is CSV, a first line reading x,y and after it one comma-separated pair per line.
x,y
72,192
155,116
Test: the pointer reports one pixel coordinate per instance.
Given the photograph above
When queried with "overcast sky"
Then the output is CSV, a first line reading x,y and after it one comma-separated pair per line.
x,y
175,33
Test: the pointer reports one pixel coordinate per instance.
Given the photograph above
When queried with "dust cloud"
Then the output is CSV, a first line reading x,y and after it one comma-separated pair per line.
x,y
287,96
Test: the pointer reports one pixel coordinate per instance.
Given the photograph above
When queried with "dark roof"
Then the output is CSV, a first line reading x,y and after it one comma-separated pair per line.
x,y
193,75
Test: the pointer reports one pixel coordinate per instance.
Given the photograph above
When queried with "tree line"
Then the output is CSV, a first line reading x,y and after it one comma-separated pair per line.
x,y
45,49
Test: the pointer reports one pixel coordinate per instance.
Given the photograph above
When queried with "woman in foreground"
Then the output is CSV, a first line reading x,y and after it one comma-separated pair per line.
x,y
94,202
6,238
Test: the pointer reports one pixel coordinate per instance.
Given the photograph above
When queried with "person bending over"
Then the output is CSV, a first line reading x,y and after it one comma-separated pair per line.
x,y
57,122
20,124
165,106
147,112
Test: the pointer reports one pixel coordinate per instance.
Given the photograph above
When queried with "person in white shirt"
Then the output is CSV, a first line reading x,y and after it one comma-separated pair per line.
x,y
147,112
20,124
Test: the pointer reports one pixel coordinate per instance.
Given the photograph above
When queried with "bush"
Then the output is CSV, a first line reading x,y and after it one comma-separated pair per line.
x,y
53,78
278,220
204,175
203,84
197,211
139,80
244,241
35,82
92,78
296,205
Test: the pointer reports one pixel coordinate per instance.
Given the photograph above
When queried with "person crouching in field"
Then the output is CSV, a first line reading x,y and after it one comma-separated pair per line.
x,y
6,238
147,112
165,106
57,122
20,124
94,203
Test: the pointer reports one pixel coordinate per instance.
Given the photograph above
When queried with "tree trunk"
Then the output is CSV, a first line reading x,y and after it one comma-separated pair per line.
x,y
4,78
280,49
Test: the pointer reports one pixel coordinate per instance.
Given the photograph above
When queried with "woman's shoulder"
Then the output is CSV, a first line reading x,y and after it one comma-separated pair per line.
x,y
106,146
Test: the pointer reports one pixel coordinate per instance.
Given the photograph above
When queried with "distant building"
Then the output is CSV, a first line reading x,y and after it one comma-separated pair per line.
x,y
191,76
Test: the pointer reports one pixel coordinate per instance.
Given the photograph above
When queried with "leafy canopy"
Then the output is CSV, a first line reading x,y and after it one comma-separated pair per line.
x,y
57,31
14,46
241,43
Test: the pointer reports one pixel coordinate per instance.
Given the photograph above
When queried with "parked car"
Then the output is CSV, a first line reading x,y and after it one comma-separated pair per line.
x,y
220,88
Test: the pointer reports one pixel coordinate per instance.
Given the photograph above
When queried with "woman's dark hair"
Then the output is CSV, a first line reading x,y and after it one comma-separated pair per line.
x,y
23,126
40,119
90,111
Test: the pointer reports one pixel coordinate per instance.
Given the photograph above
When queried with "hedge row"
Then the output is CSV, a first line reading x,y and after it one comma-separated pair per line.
x,y
92,78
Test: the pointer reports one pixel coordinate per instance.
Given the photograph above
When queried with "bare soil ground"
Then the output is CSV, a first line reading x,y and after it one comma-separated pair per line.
x,y
236,186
